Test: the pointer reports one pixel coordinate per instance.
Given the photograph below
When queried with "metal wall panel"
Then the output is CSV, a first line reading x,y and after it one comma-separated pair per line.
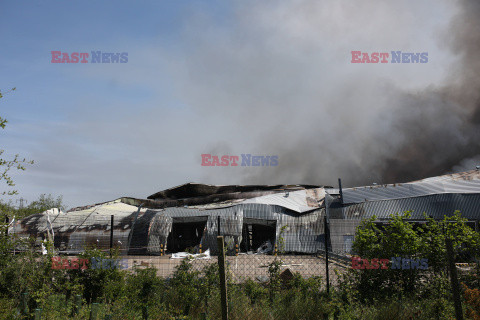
x,y
436,206
463,183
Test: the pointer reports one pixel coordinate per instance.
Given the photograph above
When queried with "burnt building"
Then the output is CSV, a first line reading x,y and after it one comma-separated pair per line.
x,y
256,218
189,216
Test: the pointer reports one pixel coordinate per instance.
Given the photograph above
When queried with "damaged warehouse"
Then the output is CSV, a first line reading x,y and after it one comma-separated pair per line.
x,y
253,218
189,218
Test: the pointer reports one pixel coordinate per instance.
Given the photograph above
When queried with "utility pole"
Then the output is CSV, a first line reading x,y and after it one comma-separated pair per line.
x,y
21,200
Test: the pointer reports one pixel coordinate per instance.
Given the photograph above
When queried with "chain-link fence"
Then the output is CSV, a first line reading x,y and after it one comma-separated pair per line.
x,y
279,265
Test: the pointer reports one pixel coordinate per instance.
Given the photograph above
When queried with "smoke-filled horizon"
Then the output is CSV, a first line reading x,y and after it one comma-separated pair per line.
x,y
442,125
372,131
270,78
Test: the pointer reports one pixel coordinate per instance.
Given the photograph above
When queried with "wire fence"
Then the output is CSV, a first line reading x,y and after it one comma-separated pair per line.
x,y
267,279
244,266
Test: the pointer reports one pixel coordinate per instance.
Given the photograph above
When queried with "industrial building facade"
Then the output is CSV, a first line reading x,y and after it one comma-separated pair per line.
x,y
287,218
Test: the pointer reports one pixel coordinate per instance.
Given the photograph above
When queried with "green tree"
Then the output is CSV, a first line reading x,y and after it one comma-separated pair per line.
x,y
466,242
6,165
43,203
401,238
397,238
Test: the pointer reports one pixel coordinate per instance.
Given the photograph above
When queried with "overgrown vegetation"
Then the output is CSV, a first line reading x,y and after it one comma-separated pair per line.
x,y
419,294
194,294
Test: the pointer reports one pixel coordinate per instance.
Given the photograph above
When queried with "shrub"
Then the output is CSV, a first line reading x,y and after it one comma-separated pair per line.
x,y
472,301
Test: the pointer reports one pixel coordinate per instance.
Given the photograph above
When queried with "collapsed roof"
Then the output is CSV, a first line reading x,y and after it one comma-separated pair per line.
x,y
194,190
193,214
145,226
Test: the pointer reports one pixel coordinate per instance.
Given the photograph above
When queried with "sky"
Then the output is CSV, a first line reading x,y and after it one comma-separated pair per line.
x,y
271,78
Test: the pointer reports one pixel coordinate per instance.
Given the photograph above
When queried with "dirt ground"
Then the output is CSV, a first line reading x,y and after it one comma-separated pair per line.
x,y
243,266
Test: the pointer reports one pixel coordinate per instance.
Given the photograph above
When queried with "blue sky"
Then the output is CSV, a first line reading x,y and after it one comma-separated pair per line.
x,y
57,103
220,77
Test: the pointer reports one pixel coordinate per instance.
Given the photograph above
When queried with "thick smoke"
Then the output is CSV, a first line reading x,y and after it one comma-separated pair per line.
x,y
423,134
325,125
442,126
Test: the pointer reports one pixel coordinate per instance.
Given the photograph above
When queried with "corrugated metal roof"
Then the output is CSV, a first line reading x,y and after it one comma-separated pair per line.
x,y
74,230
194,190
298,201
437,206
301,213
459,176
465,182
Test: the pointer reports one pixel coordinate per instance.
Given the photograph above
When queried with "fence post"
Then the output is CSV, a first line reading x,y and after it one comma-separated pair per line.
x,y
145,312
218,225
24,304
327,234
327,273
94,311
38,314
78,304
223,282
454,279
7,221
111,235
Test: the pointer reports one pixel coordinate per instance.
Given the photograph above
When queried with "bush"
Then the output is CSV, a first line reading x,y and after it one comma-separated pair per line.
x,y
472,301
192,294
400,238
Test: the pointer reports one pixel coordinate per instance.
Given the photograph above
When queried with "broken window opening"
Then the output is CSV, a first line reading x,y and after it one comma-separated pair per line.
x,y
258,236
185,236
